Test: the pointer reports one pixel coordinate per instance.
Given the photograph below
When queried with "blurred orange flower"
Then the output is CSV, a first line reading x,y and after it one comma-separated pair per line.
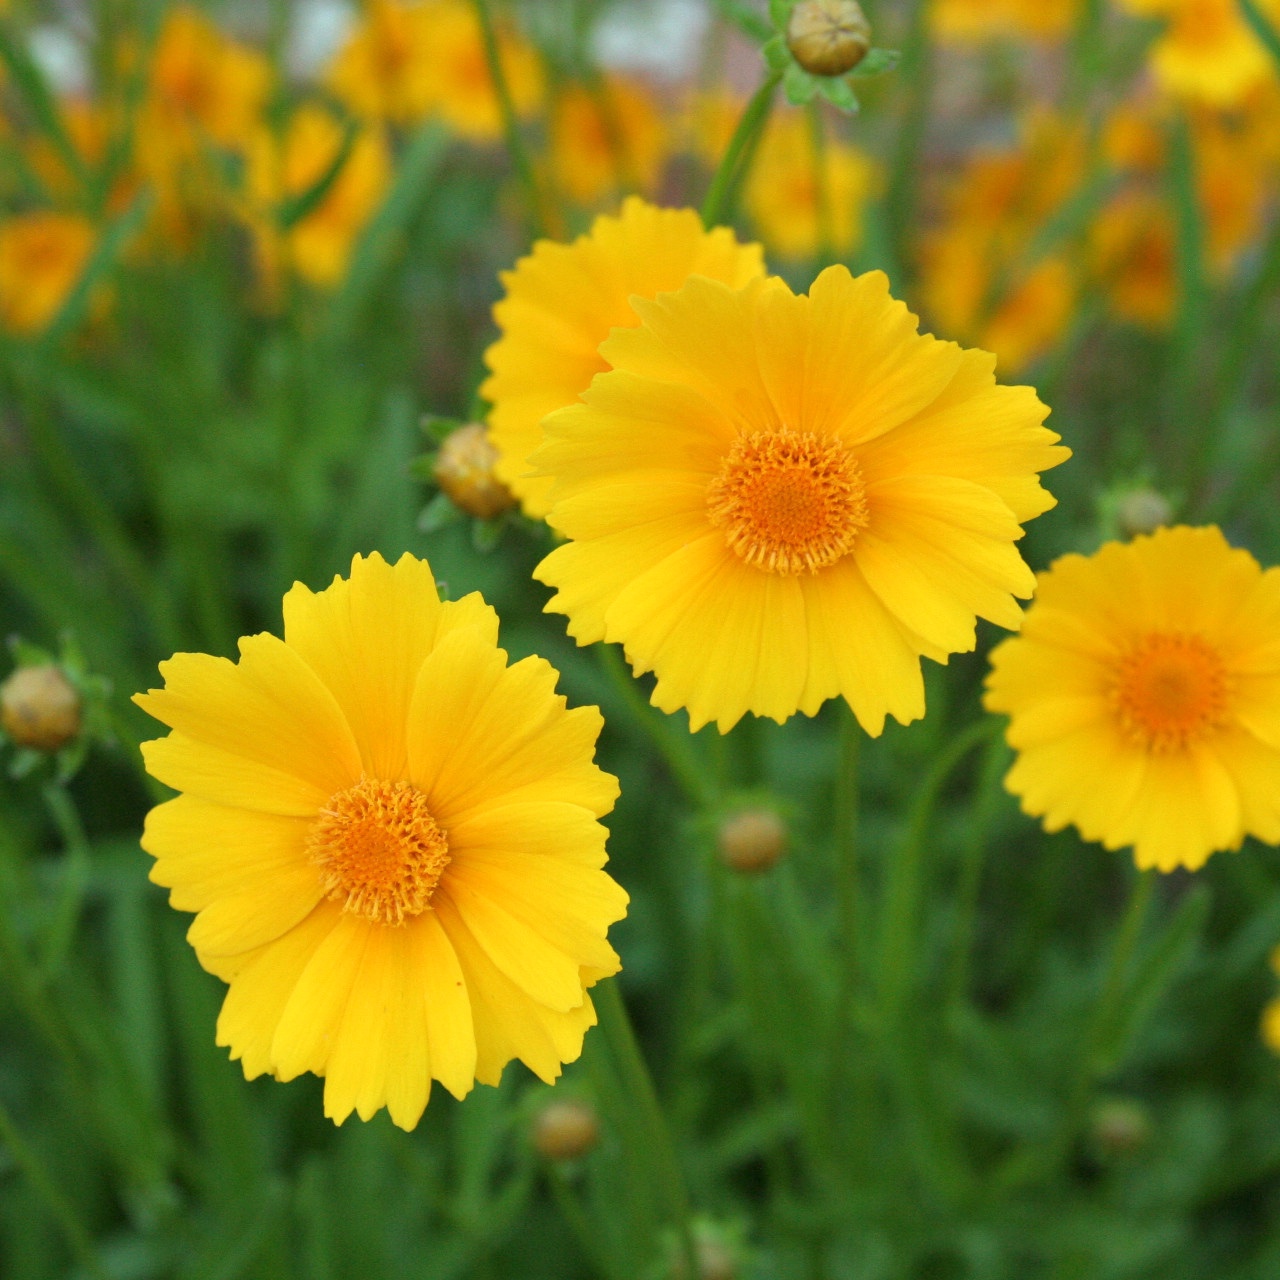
x,y
795,212
405,62
318,246
607,140
1207,51
41,257
1134,257
967,21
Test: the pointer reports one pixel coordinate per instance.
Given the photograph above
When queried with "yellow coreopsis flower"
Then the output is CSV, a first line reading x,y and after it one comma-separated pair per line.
x,y
1207,50
973,21
42,256
405,62
319,244
561,303
1134,251
794,209
774,499
608,140
1143,697
390,839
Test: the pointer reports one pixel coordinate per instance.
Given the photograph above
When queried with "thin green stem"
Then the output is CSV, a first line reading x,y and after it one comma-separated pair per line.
x,y
75,876
660,1151
822,185
44,1186
675,748
718,206
510,122
847,868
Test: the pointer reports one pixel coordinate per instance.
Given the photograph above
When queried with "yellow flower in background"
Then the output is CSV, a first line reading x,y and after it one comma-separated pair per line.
x,y
975,21
1144,698
774,499
784,196
562,301
1207,50
1133,244
390,839
606,140
42,256
978,278
1271,1014
319,245
405,62
204,92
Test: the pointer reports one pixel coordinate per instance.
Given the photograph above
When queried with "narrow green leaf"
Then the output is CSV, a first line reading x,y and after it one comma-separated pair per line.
x,y
839,92
747,20
798,85
1262,27
780,12
877,62
296,208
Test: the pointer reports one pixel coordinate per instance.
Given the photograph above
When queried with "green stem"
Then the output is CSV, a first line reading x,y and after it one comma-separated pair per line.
x,y
718,207
847,870
975,857
675,748
75,876
45,1187
510,124
822,185
904,174
660,1152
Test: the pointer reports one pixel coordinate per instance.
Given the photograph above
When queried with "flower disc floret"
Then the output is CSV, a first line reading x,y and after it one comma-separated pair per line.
x,y
787,501
1169,691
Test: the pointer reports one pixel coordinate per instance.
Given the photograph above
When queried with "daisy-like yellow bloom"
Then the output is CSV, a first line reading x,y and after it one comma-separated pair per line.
x,y
1143,696
406,61
561,302
1207,51
977,21
774,499
606,140
42,256
390,839
318,246
792,210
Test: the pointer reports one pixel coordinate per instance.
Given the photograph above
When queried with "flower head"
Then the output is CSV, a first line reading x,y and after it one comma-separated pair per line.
x,y
42,256
1143,693
561,303
773,499
1207,51
797,212
390,839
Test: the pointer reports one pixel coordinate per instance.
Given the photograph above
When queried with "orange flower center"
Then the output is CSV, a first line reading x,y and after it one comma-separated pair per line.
x,y
788,501
379,850
1169,691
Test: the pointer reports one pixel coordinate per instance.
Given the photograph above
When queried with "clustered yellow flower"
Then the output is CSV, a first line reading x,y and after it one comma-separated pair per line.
x,y
390,839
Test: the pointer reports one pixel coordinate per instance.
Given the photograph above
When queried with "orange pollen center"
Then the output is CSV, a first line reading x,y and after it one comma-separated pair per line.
x,y
788,501
379,850
1169,690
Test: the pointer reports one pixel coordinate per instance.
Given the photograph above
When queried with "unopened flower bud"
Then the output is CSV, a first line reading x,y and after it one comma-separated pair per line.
x,y
828,37
40,708
464,471
565,1129
1120,1126
1142,511
752,840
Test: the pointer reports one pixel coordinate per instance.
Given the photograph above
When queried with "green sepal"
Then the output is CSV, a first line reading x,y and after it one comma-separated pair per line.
x,y
839,92
799,86
26,654
877,61
777,55
437,427
780,12
423,467
437,514
486,534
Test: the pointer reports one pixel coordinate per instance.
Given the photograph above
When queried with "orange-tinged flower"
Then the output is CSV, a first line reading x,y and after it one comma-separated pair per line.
x,y
562,301
1134,252
42,256
1142,693
317,246
390,839
407,61
1207,50
796,211
608,139
976,21
772,500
